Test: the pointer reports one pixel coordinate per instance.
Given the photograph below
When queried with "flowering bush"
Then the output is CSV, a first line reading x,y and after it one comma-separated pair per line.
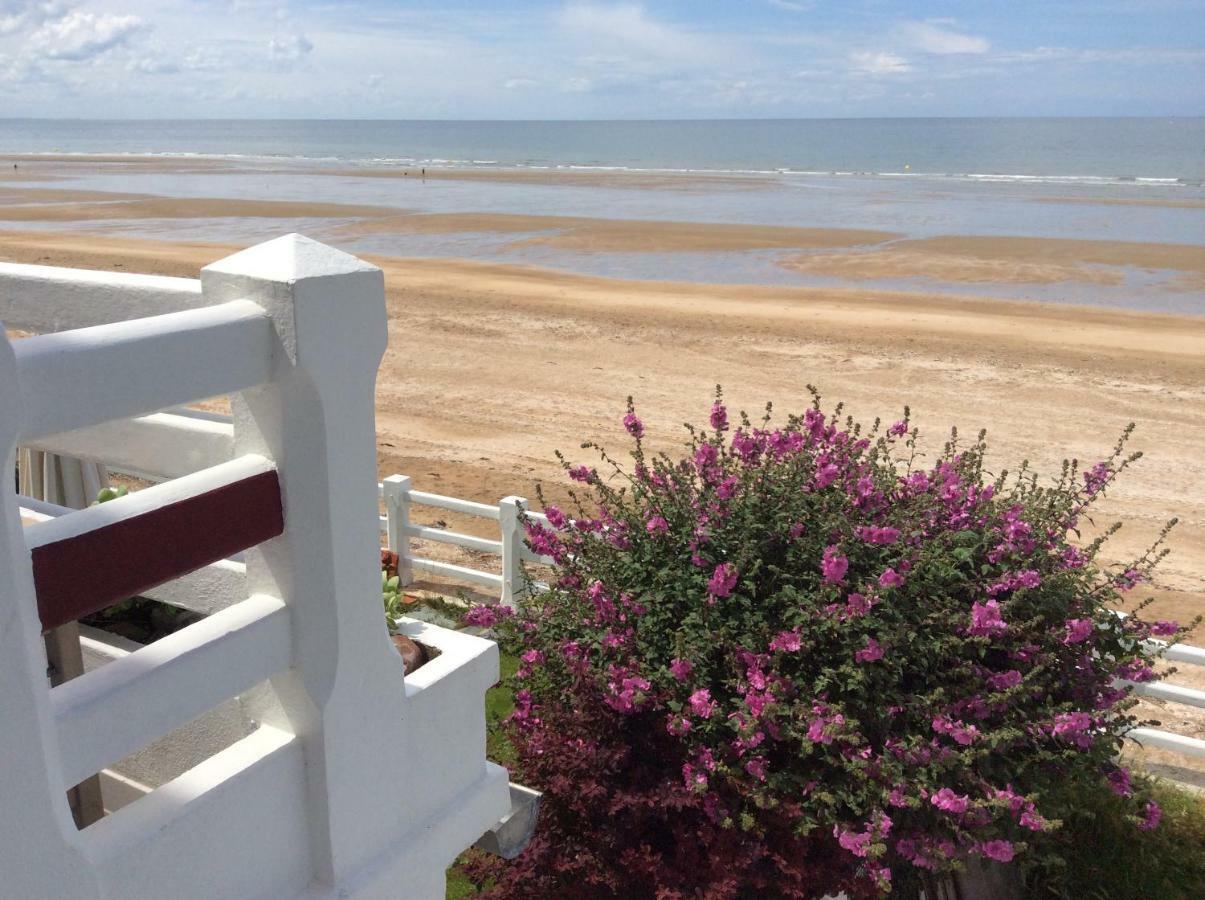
x,y
798,661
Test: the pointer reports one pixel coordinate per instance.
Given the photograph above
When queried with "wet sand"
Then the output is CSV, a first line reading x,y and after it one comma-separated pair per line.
x,y
492,367
1006,260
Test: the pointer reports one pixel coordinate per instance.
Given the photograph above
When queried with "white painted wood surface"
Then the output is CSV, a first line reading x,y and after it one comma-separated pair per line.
x,y
194,354
166,684
356,781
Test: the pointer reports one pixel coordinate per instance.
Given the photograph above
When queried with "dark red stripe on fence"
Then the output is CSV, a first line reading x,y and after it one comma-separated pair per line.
x,y
80,575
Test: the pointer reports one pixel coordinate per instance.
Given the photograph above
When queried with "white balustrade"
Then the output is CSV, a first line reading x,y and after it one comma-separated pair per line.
x,y
357,779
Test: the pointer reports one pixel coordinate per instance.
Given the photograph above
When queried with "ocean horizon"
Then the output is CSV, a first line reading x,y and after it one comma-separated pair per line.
x,y
1150,151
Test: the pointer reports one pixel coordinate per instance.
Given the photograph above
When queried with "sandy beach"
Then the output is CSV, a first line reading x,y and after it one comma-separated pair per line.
x,y
491,368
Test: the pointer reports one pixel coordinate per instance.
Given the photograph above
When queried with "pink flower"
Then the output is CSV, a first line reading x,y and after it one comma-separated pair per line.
x,y
678,725
701,703
826,475
1032,821
890,579
873,535
870,653
947,800
723,580
1164,628
1002,681
1152,816
787,641
1000,851
834,565
985,619
1119,782
633,425
719,416
899,429
856,843
533,657
1077,630
1073,727
680,668
1096,477
656,525
757,768
487,616
582,473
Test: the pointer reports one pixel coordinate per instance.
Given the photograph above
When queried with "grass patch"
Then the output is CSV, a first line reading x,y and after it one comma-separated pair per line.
x,y
1099,854
499,702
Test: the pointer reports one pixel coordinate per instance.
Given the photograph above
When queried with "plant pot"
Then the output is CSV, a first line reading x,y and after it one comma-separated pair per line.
x,y
412,652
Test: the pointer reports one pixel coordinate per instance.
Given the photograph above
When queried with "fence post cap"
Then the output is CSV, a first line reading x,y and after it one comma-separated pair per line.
x,y
289,259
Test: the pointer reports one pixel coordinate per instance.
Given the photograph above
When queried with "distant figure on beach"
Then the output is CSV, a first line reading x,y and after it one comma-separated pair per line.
x,y
424,173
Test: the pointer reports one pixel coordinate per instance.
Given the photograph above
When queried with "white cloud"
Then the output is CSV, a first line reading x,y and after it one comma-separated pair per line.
x,y
791,5
936,38
83,35
290,48
881,63
19,15
627,25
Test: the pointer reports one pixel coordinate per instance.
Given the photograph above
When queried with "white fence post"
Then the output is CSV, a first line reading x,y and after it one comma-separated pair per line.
x,y
39,845
514,583
396,494
315,418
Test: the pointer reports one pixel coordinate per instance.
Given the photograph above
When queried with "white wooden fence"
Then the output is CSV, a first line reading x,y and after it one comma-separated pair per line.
x,y
511,548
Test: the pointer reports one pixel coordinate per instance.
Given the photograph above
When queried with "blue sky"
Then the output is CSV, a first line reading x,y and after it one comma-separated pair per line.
x,y
598,59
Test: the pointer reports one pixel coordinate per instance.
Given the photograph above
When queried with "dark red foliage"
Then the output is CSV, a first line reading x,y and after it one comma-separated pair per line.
x,y
618,822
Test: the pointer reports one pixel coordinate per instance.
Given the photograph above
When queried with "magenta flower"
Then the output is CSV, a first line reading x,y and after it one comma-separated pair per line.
x,y
899,429
1077,630
834,565
787,641
1003,681
656,525
723,580
1000,851
633,425
870,653
677,725
890,579
855,842
1096,477
582,473
487,616
826,475
1152,816
757,768
1164,628
719,416
701,703
1119,782
680,668
985,619
948,801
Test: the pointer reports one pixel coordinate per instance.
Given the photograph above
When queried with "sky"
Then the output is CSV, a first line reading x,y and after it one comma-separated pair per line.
x,y
595,59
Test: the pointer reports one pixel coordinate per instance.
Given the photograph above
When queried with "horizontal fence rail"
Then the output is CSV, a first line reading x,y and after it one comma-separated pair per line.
x,y
195,354
46,299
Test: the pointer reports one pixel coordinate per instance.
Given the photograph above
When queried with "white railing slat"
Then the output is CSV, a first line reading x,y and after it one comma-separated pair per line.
x,y
156,446
468,507
1173,693
75,379
460,573
46,299
439,535
123,706
1166,740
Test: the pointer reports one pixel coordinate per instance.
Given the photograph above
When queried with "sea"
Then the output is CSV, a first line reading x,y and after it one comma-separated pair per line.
x,y
1119,179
